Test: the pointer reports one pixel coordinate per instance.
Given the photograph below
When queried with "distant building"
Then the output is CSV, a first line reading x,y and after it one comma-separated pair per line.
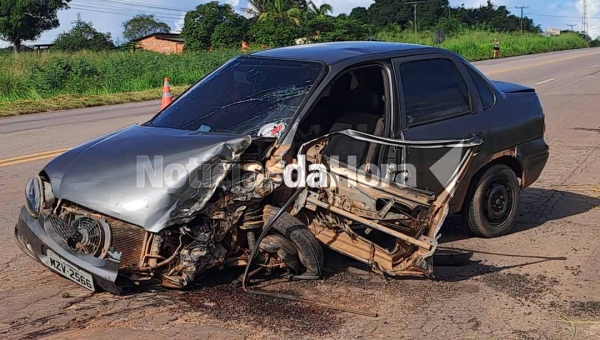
x,y
553,31
166,43
41,47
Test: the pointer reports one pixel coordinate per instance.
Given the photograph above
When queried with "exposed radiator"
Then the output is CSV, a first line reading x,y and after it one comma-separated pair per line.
x,y
129,240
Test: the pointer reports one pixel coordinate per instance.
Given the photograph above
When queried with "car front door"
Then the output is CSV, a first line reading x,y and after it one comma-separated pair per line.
x,y
438,101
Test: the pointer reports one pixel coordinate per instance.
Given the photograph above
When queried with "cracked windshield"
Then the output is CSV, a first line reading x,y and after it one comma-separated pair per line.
x,y
250,96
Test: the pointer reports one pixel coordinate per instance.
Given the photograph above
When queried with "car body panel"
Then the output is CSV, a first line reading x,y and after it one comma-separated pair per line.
x,y
35,240
127,174
515,119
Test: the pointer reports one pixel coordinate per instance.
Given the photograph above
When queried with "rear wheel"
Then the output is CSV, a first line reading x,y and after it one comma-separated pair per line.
x,y
491,206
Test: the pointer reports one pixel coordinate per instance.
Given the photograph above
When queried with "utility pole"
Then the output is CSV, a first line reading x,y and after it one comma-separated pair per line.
x,y
415,4
571,25
584,18
522,8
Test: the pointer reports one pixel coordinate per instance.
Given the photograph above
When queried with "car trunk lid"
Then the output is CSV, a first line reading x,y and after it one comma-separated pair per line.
x,y
512,88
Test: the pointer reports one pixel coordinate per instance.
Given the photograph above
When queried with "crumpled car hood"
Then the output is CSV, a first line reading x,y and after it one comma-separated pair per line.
x,y
121,174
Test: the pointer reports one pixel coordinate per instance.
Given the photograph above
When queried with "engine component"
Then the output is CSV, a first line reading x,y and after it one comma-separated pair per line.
x,y
129,240
253,218
90,235
84,234
196,257
155,247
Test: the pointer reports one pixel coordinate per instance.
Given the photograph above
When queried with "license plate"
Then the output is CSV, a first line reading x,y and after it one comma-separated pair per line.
x,y
68,270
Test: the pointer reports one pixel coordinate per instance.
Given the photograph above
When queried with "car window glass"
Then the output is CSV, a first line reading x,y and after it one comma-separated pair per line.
x,y
248,95
433,89
485,93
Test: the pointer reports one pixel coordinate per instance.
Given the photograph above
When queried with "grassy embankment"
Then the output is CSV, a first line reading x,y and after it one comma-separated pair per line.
x,y
477,45
37,83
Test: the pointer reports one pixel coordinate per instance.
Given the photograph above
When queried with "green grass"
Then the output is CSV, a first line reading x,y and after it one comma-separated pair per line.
x,y
71,101
477,45
52,81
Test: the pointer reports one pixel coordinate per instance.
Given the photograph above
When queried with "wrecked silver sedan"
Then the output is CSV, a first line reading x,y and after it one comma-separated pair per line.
x,y
280,153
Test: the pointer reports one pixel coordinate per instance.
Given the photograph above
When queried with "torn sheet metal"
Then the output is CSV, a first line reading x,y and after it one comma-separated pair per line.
x,y
340,212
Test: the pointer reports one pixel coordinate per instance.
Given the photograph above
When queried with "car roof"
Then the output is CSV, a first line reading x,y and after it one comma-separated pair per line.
x,y
331,53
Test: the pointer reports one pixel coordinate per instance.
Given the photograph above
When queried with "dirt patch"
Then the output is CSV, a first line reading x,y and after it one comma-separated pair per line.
x,y
522,335
521,286
586,309
226,303
575,270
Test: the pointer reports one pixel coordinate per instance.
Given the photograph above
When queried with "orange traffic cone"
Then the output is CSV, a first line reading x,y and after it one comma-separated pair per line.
x,y
167,96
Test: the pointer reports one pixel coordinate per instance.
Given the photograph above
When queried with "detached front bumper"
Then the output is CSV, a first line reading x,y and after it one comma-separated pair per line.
x,y
32,238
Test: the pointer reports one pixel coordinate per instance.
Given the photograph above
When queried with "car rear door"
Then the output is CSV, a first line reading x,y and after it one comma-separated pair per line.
x,y
438,101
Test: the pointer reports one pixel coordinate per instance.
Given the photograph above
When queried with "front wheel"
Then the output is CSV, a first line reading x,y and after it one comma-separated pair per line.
x,y
491,206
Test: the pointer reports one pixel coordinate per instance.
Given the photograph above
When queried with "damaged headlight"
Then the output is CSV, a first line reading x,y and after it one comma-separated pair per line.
x,y
33,196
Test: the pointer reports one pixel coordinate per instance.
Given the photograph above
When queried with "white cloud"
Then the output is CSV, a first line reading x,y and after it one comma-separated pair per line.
x,y
593,9
345,6
233,3
179,24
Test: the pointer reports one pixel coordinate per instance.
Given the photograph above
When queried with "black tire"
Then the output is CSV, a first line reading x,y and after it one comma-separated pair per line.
x,y
310,252
492,202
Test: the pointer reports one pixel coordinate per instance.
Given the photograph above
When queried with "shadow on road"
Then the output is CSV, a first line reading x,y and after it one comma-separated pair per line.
x,y
477,268
537,207
587,129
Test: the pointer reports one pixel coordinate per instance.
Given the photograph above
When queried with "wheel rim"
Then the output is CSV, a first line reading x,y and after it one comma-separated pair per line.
x,y
498,203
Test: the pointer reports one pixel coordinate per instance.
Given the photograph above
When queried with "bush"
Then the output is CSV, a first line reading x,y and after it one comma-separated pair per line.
x,y
32,76
477,45
29,76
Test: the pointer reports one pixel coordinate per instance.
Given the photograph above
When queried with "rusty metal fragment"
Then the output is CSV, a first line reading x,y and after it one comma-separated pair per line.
x,y
336,213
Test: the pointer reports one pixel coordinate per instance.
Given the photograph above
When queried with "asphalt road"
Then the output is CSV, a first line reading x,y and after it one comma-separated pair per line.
x,y
525,285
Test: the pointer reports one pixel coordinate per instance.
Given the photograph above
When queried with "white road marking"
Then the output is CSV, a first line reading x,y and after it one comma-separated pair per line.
x,y
594,66
545,81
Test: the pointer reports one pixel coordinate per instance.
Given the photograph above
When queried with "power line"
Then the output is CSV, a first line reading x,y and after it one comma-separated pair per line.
x,y
415,4
560,16
571,25
584,18
119,8
521,8
139,4
121,12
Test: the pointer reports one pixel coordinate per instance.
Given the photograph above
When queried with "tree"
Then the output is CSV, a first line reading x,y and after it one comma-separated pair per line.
x,y
313,27
231,32
200,24
22,20
346,29
83,36
319,11
273,34
282,11
360,13
142,25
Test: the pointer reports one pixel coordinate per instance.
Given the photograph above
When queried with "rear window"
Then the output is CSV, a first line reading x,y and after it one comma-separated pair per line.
x,y
433,89
488,98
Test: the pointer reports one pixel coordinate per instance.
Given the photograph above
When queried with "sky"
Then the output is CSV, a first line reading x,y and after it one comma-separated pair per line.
x,y
109,15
